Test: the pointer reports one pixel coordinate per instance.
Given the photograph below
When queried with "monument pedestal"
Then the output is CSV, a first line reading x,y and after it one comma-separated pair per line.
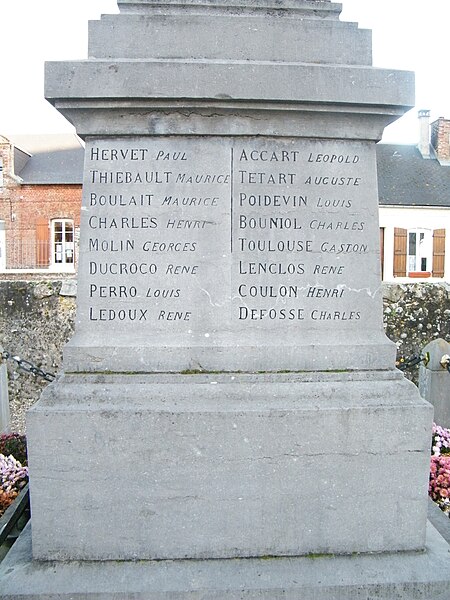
x,y
223,465
229,396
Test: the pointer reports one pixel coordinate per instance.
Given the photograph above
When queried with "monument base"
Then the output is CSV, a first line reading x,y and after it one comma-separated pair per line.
x,y
404,576
148,467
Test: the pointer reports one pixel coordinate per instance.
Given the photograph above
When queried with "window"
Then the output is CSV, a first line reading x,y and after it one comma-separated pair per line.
x,y
63,247
420,250
55,244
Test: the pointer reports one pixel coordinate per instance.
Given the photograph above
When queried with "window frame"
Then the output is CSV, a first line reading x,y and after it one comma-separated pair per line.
x,y
423,252
67,246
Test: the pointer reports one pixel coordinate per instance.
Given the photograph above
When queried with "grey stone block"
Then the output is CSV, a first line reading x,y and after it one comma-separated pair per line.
x,y
218,466
238,81
250,38
403,576
233,314
69,288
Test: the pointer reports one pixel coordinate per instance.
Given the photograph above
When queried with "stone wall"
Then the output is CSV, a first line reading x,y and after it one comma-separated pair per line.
x,y
36,320
414,315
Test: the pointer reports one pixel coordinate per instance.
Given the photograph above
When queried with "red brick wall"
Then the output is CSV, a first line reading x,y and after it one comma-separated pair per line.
x,y
7,158
440,138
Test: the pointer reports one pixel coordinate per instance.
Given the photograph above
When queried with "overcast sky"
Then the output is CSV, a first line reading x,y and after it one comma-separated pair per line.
x,y
407,34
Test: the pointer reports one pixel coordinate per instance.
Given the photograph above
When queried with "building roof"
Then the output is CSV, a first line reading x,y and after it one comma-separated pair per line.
x,y
48,159
407,179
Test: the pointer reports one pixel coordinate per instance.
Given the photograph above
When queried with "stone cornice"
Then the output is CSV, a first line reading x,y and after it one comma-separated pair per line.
x,y
230,81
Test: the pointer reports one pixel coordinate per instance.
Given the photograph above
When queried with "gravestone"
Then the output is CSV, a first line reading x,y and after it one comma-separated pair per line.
x,y
5,420
229,392
434,379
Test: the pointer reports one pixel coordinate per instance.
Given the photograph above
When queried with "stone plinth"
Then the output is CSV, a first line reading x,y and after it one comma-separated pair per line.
x,y
222,466
404,576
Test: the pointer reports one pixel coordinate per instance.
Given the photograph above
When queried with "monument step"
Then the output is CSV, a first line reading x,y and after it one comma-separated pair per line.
x,y
403,576
263,39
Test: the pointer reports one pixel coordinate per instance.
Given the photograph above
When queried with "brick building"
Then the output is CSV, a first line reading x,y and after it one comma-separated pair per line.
x,y
40,199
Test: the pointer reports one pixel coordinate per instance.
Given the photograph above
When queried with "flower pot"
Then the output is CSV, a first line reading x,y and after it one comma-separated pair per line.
x,y
419,274
15,518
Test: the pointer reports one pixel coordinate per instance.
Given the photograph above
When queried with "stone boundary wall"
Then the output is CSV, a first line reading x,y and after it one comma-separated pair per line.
x,y
36,320
415,315
37,316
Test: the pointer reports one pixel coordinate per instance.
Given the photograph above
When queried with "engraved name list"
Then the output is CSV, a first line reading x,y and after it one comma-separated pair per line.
x,y
200,237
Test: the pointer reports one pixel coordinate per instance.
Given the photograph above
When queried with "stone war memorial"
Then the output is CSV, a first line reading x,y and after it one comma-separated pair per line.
x,y
229,422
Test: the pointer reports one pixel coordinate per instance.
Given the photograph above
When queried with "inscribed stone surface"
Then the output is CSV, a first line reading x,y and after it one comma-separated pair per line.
x,y
216,240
